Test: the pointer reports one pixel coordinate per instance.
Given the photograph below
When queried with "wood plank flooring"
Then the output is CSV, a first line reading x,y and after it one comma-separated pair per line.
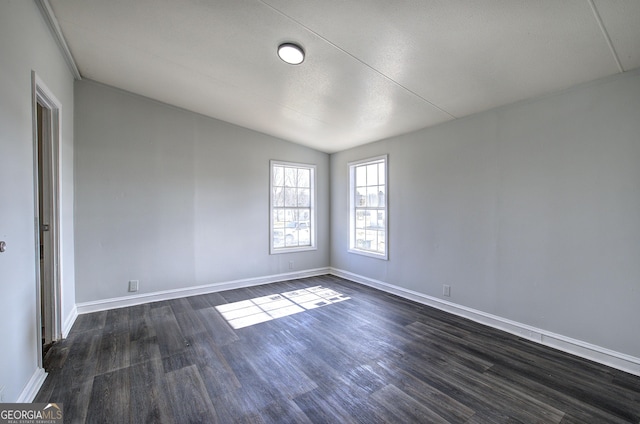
x,y
375,358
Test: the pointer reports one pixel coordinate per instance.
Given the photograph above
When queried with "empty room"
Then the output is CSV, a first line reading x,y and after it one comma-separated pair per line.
x,y
278,211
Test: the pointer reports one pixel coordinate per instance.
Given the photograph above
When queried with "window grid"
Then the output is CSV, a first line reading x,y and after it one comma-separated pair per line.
x,y
292,207
368,233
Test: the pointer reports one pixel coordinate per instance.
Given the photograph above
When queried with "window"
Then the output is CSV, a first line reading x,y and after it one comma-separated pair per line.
x,y
368,207
293,226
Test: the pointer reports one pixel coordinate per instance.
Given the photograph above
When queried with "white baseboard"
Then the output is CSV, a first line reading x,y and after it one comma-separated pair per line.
x,y
31,389
566,344
121,302
37,379
68,322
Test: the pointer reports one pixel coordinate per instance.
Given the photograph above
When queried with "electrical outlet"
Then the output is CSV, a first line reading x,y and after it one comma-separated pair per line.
x,y
133,285
446,290
290,264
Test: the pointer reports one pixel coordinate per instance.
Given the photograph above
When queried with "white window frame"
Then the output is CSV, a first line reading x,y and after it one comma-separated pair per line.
x,y
353,247
273,249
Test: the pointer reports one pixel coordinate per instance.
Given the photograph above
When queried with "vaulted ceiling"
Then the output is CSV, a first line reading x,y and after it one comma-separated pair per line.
x,y
373,69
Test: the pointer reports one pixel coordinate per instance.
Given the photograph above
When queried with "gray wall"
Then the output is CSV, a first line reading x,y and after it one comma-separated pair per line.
x,y
175,199
530,212
26,45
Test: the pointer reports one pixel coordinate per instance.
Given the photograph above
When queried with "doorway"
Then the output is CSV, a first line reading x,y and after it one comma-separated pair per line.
x,y
46,117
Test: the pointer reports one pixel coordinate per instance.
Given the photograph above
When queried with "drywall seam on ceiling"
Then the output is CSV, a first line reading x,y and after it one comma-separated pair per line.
x,y
383,75
605,33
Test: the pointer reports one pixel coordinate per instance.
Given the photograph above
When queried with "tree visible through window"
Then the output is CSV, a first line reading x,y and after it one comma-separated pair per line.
x,y
292,207
368,227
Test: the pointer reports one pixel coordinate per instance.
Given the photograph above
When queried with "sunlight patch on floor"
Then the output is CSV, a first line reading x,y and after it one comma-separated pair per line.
x,y
265,308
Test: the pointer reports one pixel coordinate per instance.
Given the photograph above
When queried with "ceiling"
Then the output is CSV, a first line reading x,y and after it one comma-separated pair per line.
x,y
374,68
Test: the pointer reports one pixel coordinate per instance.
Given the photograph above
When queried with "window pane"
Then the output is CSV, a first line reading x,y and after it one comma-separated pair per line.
x,y
381,174
278,228
290,177
304,198
381,219
278,218
278,196
304,236
278,238
360,218
361,176
278,176
361,198
289,216
372,240
372,196
381,246
372,175
361,241
381,196
290,240
290,197
304,177
367,219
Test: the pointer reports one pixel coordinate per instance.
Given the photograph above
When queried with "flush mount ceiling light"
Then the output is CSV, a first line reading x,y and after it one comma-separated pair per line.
x,y
291,53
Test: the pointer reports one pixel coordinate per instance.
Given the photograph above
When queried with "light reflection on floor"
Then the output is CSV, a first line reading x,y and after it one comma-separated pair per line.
x,y
260,309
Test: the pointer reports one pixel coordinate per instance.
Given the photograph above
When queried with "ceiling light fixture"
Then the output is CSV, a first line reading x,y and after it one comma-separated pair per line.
x,y
291,53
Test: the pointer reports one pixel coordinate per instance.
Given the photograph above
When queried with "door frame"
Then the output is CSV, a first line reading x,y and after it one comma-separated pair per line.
x,y
51,136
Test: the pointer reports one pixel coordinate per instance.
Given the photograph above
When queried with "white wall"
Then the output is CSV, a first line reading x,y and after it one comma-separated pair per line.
x,y
175,199
530,212
26,45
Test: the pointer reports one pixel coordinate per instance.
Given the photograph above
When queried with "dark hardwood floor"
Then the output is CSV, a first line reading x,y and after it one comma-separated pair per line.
x,y
375,358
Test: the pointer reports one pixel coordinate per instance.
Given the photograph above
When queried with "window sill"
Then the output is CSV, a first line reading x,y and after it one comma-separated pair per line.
x,y
277,251
382,256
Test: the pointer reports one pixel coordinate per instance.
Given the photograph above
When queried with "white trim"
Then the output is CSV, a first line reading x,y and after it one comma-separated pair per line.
x,y
41,94
313,201
566,344
379,158
352,208
33,386
58,36
69,321
122,302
